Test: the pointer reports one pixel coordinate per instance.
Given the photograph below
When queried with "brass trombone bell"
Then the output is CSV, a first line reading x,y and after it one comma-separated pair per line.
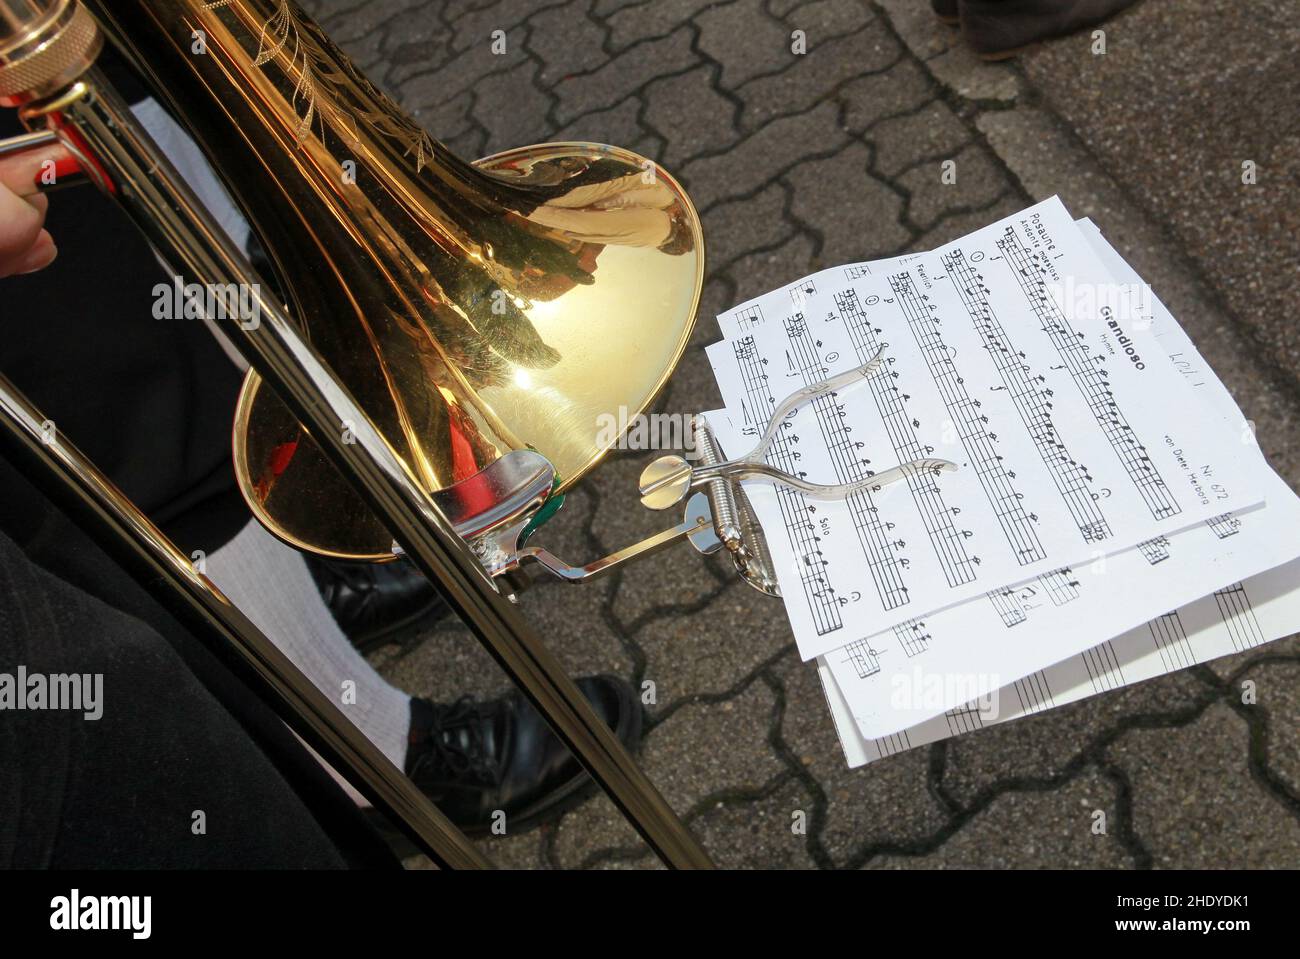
x,y
523,302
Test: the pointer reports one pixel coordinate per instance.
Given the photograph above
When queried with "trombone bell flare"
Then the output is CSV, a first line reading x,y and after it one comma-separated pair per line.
x,y
471,309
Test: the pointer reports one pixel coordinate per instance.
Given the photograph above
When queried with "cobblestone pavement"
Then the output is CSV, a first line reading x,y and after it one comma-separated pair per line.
x,y
800,162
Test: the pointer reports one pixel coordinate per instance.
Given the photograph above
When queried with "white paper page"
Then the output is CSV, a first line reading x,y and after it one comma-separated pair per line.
x,y
1021,504
1261,609
1239,616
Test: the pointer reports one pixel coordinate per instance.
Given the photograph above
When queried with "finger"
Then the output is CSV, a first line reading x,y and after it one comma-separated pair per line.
x,y
20,224
38,256
22,171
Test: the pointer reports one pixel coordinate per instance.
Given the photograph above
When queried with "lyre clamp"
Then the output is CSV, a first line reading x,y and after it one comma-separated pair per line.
x,y
718,515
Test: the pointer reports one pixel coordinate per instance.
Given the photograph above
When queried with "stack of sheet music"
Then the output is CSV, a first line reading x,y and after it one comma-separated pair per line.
x,y
1111,518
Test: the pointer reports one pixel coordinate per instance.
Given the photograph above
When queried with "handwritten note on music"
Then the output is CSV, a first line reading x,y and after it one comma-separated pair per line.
x,y
1010,352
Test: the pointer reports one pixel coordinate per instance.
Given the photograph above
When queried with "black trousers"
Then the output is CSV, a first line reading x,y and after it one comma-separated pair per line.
x,y
180,741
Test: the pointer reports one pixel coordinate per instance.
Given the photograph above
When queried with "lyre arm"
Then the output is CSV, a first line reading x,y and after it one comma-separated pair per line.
x,y
579,574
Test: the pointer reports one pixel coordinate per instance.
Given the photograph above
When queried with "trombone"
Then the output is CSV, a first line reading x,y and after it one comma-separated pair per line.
x,y
452,330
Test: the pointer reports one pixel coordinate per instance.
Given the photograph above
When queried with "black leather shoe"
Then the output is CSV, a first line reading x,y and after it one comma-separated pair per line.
x,y
473,759
945,10
998,29
376,603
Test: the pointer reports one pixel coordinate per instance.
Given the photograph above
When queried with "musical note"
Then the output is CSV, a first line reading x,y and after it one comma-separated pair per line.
x,y
1033,404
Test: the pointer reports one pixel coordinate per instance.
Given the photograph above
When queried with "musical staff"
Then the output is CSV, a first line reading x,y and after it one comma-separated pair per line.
x,y
913,636
749,317
948,542
1030,271
1032,398
1034,693
1239,617
1061,586
880,546
795,509
964,719
1224,526
1155,550
1008,607
1104,670
864,660
971,424
892,745
1171,640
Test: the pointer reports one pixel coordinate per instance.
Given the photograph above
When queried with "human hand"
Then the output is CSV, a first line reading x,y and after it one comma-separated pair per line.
x,y
25,244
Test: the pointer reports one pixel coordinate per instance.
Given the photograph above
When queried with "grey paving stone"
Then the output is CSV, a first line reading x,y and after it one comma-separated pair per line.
x,y
1277,692
759,834
594,829
1199,806
571,620
826,18
948,58
707,126
451,123
901,89
979,180
769,268
514,852
887,804
707,653
924,35
1234,666
445,662
566,43
752,163
473,26
699,755
512,107
955,223
605,8
1052,744
619,125
741,226
1180,100
854,215
822,73
643,21
744,40
932,132
704,749
419,85
1022,830
625,76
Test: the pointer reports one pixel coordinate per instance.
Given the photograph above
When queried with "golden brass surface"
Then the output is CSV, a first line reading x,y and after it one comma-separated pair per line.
x,y
525,301
44,45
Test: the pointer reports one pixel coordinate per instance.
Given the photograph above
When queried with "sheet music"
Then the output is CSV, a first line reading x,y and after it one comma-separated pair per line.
x,y
1226,619
1069,448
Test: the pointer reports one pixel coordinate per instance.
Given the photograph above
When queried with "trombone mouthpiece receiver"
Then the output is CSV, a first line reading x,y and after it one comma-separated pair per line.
x,y
44,46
